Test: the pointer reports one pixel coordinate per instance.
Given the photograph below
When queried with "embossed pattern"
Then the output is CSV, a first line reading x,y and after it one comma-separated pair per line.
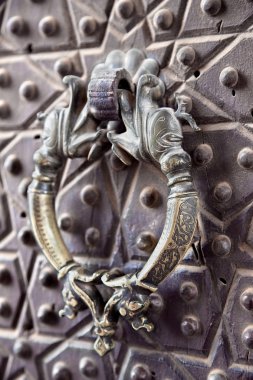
x,y
203,311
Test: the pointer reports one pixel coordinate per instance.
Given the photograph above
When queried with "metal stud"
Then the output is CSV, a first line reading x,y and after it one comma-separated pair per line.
x,y
246,299
61,371
190,325
17,25
186,55
203,154
5,78
5,275
140,372
5,308
13,164
92,237
217,374
48,26
90,195
229,77
149,197
88,25
47,315
63,66
65,222
211,7
5,110
157,303
145,241
221,245
189,291
245,158
22,349
88,367
222,192
247,337
28,90
26,236
48,278
125,8
163,19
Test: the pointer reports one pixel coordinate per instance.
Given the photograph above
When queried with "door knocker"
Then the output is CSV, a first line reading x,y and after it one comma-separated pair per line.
x,y
125,87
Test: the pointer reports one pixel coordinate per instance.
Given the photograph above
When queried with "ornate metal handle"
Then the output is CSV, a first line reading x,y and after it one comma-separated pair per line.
x,y
153,134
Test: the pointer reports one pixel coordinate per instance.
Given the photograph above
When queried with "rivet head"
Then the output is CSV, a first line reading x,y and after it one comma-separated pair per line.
x,y
90,195
149,197
28,90
23,186
190,325
163,19
229,77
245,158
16,25
88,367
22,349
221,245
116,163
140,372
60,371
63,66
247,337
125,8
246,299
145,241
217,374
13,164
48,26
26,236
222,192
88,25
5,78
210,7
5,110
65,222
92,237
5,275
48,277
189,291
47,315
202,154
156,302
5,308
186,55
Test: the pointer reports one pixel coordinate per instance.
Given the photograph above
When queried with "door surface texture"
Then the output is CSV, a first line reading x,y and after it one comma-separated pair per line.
x,y
110,213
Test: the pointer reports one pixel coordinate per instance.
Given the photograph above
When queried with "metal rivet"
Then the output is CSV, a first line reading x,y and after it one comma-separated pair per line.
x,y
48,277
246,299
221,245
156,302
125,8
26,236
5,275
217,374
88,25
47,315
211,7
22,349
90,195
92,237
245,158
190,325
203,154
60,371
28,90
229,77
13,164
88,367
65,222
23,186
5,110
17,25
188,291
186,55
149,197
5,308
63,66
5,78
145,241
140,372
48,26
247,337
163,19
116,163
222,192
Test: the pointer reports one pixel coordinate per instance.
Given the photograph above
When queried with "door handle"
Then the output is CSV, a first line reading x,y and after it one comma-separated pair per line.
x,y
134,93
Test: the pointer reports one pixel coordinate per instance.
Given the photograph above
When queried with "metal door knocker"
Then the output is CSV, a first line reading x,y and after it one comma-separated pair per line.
x,y
125,87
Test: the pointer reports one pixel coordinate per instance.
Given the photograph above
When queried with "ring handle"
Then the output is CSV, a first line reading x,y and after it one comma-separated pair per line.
x,y
153,134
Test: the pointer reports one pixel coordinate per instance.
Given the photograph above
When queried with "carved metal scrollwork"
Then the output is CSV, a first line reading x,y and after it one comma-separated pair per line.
x,y
124,87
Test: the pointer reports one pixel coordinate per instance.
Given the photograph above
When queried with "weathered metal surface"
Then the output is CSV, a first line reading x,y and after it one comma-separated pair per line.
x,y
205,309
